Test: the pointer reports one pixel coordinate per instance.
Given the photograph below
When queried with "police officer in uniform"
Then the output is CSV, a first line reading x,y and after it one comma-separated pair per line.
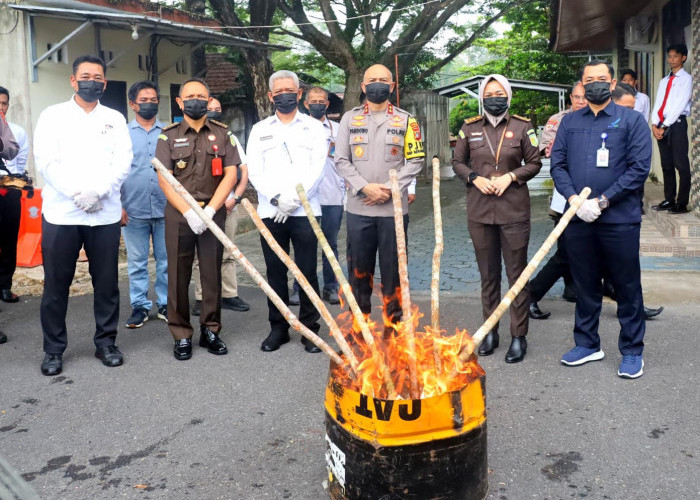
x,y
495,156
373,139
607,148
204,159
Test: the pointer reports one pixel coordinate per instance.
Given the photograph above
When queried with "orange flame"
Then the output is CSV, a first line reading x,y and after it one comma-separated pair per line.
x,y
436,357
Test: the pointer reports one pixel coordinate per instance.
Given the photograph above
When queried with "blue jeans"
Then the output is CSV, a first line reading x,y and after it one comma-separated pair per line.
x,y
137,237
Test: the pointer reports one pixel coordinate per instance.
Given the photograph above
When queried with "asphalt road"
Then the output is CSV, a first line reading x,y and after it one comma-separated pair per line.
x,y
250,425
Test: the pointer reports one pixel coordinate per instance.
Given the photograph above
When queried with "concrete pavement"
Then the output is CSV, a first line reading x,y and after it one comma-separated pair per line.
x,y
249,425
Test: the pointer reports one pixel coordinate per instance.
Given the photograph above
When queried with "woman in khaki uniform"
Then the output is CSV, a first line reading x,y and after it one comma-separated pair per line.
x,y
496,154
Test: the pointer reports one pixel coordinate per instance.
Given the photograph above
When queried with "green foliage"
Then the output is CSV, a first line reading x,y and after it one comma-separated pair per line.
x,y
311,68
464,109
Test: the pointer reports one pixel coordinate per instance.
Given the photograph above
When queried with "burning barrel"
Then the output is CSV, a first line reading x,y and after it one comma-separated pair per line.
x,y
419,449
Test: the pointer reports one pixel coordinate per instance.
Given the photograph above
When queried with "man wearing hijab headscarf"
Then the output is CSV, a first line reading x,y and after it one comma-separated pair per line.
x,y
495,156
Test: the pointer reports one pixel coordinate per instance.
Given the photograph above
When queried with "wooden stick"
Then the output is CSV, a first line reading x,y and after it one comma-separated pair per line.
x,y
396,196
437,254
481,333
257,277
347,292
303,283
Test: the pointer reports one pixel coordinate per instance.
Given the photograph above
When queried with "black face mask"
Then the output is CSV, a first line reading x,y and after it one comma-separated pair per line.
x,y
195,108
377,92
90,90
597,92
215,115
148,110
317,110
286,103
496,106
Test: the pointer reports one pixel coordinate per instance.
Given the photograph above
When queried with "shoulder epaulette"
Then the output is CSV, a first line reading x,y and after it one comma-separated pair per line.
x,y
522,118
172,125
223,125
473,119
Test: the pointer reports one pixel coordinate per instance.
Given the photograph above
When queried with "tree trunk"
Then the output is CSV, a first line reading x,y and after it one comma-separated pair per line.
x,y
353,79
259,69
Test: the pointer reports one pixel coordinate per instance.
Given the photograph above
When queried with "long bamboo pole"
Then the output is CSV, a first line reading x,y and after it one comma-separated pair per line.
x,y
437,255
407,320
488,325
303,283
257,277
347,293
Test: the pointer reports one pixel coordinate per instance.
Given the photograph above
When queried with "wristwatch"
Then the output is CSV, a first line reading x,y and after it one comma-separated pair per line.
x,y
236,197
472,176
275,201
603,202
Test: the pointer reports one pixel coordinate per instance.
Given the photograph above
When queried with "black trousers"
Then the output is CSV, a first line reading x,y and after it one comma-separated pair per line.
x,y
556,267
611,250
10,212
298,232
367,237
673,150
60,246
180,243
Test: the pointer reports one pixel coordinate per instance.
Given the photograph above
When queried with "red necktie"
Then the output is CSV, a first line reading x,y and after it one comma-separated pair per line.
x,y
663,104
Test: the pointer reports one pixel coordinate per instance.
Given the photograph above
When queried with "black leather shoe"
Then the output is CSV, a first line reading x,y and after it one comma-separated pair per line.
x,y
664,205
294,299
650,313
569,294
234,304
211,341
274,341
195,307
489,344
309,346
331,297
8,296
183,349
3,338
516,351
536,313
110,355
52,364
677,209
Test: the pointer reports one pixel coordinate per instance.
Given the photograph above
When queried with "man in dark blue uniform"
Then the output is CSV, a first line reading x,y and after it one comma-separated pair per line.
x,y
606,147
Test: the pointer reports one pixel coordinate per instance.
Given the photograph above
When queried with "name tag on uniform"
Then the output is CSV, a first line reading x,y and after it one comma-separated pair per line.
x,y
603,156
331,149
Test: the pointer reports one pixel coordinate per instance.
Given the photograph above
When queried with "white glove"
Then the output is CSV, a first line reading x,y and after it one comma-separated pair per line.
x,y
209,210
197,225
89,201
280,217
588,211
287,205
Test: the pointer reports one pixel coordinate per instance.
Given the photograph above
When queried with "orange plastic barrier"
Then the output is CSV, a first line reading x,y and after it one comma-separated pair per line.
x,y
29,239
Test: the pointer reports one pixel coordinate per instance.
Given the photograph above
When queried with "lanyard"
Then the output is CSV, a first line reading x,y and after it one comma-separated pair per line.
x,y
497,154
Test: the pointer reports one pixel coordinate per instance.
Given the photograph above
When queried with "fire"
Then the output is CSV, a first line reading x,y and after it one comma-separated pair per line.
x,y
437,364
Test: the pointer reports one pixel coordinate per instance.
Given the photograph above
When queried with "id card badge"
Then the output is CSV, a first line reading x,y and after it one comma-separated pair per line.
x,y
216,167
603,157
331,149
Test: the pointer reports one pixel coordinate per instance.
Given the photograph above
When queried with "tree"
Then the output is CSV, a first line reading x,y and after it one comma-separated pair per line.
x,y
358,33
254,20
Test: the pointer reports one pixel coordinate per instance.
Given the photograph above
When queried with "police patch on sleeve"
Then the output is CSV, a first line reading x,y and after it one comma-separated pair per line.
x,y
461,134
533,137
413,146
163,137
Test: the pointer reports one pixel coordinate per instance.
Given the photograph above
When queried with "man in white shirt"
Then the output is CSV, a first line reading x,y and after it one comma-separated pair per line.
x,y
641,100
10,207
670,129
284,150
82,149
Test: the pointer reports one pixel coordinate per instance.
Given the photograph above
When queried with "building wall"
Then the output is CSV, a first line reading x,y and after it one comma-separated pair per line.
x,y
29,98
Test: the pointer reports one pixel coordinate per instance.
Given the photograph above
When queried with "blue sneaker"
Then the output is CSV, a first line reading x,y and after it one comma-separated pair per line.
x,y
581,355
632,366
